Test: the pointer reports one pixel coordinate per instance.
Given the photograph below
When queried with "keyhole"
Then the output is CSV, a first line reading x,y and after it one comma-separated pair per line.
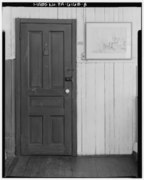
x,y
46,49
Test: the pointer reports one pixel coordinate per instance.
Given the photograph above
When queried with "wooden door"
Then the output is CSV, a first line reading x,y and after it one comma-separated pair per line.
x,y
46,88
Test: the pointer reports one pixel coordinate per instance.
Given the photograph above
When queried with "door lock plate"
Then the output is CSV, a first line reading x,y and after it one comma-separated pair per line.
x,y
68,78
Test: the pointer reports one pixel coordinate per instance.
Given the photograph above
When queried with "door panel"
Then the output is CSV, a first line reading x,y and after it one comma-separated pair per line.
x,y
47,101
36,124
58,129
35,59
46,110
57,57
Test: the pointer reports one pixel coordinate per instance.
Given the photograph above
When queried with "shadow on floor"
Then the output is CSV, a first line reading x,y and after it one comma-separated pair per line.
x,y
64,166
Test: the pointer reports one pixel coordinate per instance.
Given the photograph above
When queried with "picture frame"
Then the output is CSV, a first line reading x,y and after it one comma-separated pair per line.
x,y
108,40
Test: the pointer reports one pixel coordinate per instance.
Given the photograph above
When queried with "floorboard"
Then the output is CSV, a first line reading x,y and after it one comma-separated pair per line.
x,y
9,163
21,165
64,166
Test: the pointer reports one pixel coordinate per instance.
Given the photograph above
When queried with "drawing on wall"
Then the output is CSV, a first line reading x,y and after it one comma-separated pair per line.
x,y
108,41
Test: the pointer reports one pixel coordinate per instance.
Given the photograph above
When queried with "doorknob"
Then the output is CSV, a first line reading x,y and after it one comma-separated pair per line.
x,y
67,91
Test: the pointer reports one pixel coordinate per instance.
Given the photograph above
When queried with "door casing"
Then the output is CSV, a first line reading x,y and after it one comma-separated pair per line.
x,y
18,79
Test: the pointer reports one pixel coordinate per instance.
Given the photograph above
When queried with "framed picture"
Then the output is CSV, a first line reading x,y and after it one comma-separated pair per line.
x,y
108,41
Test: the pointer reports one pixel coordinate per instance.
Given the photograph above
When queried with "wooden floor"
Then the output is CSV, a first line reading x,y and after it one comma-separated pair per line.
x,y
48,166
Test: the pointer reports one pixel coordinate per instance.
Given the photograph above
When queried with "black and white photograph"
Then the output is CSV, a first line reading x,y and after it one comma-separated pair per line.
x,y
72,89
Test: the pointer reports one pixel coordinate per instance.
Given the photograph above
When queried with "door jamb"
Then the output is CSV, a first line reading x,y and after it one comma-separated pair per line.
x,y
18,79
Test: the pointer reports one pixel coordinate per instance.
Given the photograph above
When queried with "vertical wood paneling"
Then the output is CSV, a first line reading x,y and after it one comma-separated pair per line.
x,y
81,82
80,33
64,13
89,137
121,14
99,14
6,23
61,12
80,48
83,106
118,109
67,13
134,102
109,96
79,108
100,114
73,13
16,13
109,108
138,18
48,13
115,14
34,12
44,12
89,124
127,109
90,15
109,17
135,18
130,17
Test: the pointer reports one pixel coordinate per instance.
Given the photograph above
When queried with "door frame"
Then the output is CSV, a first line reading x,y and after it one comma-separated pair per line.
x,y
18,22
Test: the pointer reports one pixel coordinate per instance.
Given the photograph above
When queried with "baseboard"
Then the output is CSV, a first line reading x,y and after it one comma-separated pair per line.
x,y
107,155
9,155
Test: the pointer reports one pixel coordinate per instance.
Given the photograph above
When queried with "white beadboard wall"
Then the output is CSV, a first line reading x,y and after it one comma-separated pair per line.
x,y
106,89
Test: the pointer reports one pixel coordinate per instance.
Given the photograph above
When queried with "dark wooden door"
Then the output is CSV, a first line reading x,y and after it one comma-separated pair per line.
x,y
46,88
